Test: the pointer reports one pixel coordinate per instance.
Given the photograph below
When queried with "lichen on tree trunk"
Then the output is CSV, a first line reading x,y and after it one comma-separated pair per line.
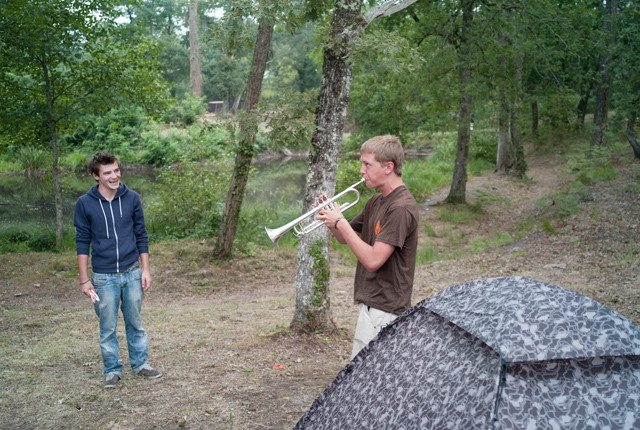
x,y
333,100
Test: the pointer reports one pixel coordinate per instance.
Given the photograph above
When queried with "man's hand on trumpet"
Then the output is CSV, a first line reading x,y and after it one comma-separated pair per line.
x,y
330,213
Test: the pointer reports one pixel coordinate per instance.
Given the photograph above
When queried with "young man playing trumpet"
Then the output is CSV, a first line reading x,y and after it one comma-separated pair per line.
x,y
384,238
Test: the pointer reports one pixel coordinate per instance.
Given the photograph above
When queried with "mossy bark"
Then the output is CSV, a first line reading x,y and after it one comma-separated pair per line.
x,y
312,306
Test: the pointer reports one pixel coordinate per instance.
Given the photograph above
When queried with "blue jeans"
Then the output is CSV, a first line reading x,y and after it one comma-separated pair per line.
x,y
124,291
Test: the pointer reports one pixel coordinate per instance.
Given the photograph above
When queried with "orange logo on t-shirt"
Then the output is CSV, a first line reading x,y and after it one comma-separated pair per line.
x,y
378,228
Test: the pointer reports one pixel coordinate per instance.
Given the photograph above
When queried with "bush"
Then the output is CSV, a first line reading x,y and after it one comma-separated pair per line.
x,y
117,131
29,239
205,143
185,112
483,146
191,199
75,161
163,149
32,159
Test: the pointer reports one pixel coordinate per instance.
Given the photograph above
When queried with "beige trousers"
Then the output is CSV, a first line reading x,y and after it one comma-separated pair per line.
x,y
370,322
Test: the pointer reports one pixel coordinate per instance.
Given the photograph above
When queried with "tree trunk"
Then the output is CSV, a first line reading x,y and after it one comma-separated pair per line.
x,y
517,145
312,311
53,134
457,193
245,152
236,103
603,92
56,185
503,162
196,76
582,106
535,119
631,135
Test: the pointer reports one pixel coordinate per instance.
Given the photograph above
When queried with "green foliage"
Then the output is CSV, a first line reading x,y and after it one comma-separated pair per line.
x,y
166,146
75,161
93,64
162,149
459,214
480,244
118,131
190,200
558,109
559,205
290,117
184,112
424,177
428,228
32,159
625,68
8,164
605,173
597,167
483,145
428,254
29,238
292,68
547,228
225,77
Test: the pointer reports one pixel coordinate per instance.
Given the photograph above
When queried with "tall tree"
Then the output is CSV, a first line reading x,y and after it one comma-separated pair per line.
x,y
603,92
62,59
626,70
194,48
457,193
267,14
246,149
312,301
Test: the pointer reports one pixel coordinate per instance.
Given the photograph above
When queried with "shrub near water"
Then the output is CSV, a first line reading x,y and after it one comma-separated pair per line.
x,y
190,200
32,159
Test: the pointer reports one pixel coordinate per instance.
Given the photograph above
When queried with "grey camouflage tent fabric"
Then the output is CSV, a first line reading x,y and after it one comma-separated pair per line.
x,y
501,353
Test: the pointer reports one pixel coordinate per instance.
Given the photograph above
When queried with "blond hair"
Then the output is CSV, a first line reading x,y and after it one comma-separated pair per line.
x,y
386,149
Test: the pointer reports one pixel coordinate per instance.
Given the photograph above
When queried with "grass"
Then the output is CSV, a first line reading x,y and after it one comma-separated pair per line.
x,y
9,166
429,230
459,214
630,256
480,244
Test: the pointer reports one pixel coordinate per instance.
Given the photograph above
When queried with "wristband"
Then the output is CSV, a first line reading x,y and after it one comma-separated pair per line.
x,y
335,224
82,283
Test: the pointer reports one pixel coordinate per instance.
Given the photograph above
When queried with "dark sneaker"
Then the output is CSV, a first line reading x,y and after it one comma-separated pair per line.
x,y
149,372
111,380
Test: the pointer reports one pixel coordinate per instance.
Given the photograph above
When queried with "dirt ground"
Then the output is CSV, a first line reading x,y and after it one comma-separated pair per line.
x,y
219,330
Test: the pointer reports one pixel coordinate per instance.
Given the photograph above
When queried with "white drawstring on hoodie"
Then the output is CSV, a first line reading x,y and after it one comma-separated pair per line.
x,y
106,224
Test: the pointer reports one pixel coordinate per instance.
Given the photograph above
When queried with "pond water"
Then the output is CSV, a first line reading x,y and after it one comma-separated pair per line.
x,y
26,201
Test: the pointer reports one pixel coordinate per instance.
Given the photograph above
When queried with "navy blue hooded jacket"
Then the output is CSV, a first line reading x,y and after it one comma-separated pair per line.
x,y
115,229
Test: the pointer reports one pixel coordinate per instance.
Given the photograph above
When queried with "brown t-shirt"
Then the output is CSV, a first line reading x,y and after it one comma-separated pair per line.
x,y
394,220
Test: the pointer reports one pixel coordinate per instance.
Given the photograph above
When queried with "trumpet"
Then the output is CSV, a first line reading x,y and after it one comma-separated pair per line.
x,y
275,234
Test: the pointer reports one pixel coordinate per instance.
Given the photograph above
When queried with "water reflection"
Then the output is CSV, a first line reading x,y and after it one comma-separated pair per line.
x,y
276,183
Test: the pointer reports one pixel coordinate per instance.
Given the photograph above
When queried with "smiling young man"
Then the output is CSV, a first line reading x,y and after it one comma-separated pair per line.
x,y
383,237
110,222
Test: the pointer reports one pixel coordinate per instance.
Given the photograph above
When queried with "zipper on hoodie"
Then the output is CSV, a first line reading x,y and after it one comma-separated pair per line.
x,y
116,235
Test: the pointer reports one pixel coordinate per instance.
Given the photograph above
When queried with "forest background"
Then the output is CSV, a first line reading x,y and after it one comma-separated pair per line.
x,y
136,78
